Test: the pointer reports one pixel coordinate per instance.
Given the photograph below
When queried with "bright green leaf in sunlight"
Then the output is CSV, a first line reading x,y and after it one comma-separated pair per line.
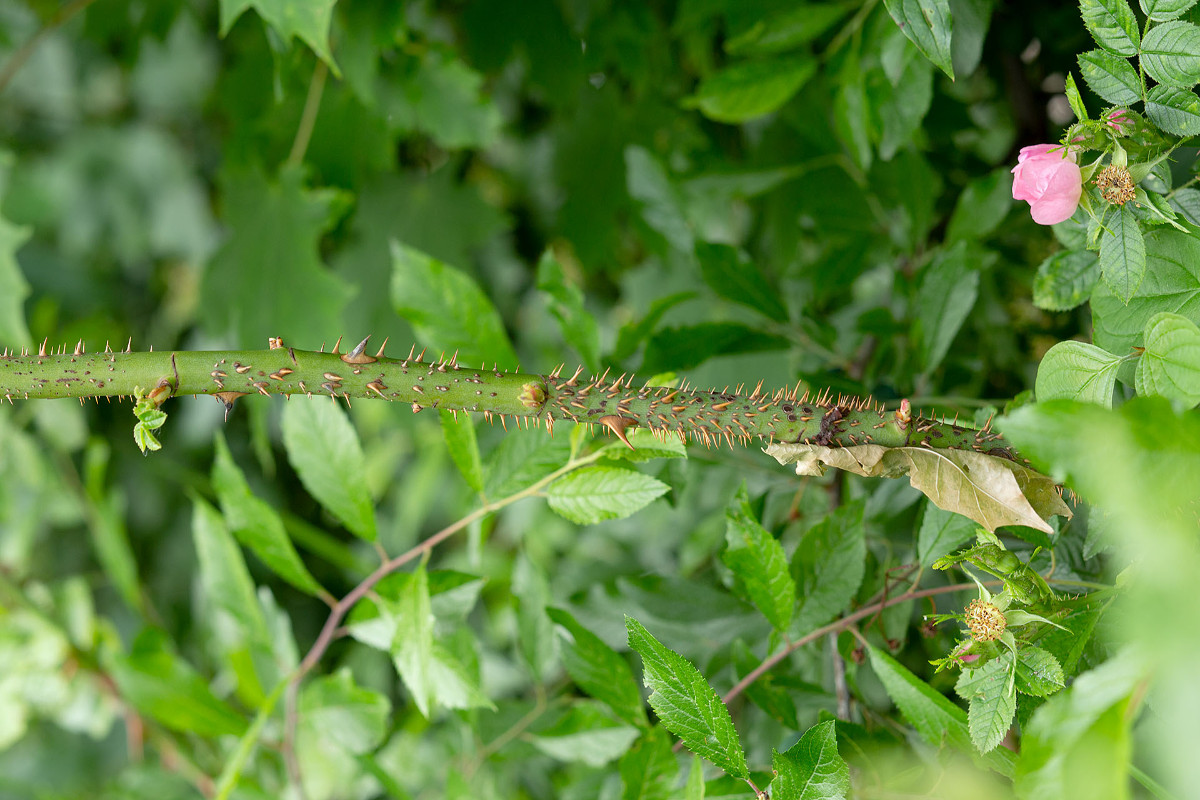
x,y
593,494
268,279
935,718
828,566
598,669
448,310
991,699
750,89
757,559
1078,744
685,703
565,300
1170,365
156,681
1142,456
323,448
811,769
927,24
308,19
1077,371
256,524
459,432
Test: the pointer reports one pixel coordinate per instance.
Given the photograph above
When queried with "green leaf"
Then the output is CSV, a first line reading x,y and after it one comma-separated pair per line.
x,y
694,788
732,275
811,769
334,710
1077,371
927,24
598,669
255,524
751,89
587,733
757,559
647,446
1163,10
1074,99
1172,283
683,348
523,458
1065,280
981,207
448,310
1174,110
432,675
441,96
934,717
1140,459
971,20
942,532
1171,54
565,300
459,433
686,705
307,19
828,566
535,633
110,537
1112,24
271,260
948,292
1123,255
786,29
649,769
323,448
231,607
991,490
1038,672
593,494
13,286
1187,201
660,200
1111,77
1078,744
992,701
1170,366
159,684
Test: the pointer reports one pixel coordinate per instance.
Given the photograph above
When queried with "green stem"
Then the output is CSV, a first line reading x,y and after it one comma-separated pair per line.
x,y
710,416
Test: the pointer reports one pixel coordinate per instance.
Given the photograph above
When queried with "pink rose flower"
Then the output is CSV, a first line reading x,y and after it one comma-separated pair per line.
x,y
1049,180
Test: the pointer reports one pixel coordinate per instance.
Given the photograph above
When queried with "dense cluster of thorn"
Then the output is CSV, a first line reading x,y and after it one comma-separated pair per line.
x,y
710,417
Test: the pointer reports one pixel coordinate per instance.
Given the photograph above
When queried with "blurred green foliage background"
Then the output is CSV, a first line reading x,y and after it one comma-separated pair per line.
x,y
731,191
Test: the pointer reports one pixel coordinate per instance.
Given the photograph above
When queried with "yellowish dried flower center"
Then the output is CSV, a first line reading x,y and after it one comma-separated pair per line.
x,y
985,621
1116,185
